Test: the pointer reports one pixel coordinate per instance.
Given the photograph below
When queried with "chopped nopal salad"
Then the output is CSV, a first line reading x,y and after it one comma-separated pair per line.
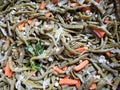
x,y
59,44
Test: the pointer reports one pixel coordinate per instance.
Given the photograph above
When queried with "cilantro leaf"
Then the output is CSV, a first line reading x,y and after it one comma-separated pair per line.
x,y
35,51
39,48
31,50
35,66
28,63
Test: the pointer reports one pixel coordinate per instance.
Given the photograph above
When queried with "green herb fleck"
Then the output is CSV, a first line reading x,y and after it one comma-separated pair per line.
x,y
38,49
35,66
31,50
35,51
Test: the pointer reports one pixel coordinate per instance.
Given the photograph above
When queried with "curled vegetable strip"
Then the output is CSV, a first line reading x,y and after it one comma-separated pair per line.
x,y
70,49
59,44
102,28
16,69
18,83
31,83
100,8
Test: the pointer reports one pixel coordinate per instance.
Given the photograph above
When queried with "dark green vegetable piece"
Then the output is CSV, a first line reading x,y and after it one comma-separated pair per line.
x,y
31,50
28,63
39,48
34,65
35,51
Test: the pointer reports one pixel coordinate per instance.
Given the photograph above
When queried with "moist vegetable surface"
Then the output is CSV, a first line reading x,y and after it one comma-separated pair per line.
x,y
59,44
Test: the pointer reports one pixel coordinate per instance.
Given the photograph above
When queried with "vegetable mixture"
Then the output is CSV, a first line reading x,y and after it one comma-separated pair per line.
x,y
59,44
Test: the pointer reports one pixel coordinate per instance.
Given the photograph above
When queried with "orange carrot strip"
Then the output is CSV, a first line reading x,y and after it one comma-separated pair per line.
x,y
78,85
68,82
42,6
107,21
65,68
30,21
99,32
84,9
108,53
20,27
55,1
97,1
57,69
71,53
93,86
48,15
67,77
83,5
7,70
75,4
80,50
81,65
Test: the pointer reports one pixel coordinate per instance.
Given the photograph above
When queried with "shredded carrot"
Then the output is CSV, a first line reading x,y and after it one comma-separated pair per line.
x,y
75,4
42,6
78,85
48,15
99,32
71,53
81,65
80,50
57,69
55,1
67,77
22,24
20,27
68,82
83,5
93,86
97,1
108,53
30,21
107,21
65,68
7,70
84,9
